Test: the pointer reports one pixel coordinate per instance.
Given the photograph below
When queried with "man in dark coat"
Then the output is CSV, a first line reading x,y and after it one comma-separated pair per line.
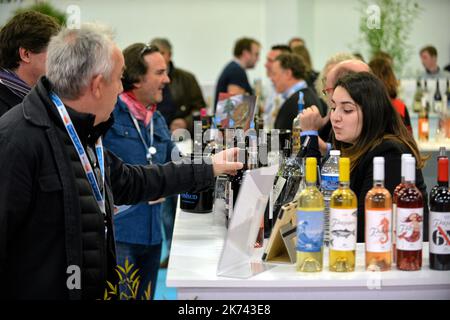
x,y
23,51
59,186
182,96
288,76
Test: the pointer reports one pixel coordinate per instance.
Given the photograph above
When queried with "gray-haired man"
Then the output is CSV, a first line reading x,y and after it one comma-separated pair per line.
x,y
58,185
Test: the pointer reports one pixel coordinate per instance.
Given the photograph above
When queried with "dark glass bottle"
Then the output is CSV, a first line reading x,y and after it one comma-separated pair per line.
x,y
440,219
197,202
409,221
234,186
437,99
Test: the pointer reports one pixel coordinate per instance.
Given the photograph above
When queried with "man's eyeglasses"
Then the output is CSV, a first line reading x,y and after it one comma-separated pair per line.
x,y
148,49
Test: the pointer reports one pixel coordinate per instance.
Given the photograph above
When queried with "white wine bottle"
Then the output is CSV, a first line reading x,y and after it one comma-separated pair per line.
x,y
310,207
343,211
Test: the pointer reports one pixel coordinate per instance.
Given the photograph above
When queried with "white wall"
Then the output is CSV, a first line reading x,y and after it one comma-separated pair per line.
x,y
203,31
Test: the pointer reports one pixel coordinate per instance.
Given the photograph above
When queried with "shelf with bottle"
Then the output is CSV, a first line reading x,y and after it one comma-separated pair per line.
x,y
197,248
430,111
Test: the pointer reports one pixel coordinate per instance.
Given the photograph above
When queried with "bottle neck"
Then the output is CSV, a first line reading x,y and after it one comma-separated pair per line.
x,y
443,184
311,184
378,183
344,184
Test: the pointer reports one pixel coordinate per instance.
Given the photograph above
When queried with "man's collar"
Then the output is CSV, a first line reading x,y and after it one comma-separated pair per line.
x,y
294,88
430,72
38,107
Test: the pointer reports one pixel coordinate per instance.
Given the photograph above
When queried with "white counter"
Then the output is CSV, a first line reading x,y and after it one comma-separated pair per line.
x,y
196,248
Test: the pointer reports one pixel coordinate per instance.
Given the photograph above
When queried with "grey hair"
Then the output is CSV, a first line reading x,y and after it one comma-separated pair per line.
x,y
162,42
334,59
75,56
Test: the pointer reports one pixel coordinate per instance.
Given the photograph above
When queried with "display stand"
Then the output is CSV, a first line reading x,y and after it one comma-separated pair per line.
x,y
235,260
281,245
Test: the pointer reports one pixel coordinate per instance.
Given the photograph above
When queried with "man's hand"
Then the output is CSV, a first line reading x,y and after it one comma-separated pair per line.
x,y
311,119
225,162
178,123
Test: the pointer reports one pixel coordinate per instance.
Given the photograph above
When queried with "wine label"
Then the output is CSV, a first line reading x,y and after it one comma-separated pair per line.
x,y
278,188
309,231
424,126
329,181
394,223
343,229
439,232
409,229
378,230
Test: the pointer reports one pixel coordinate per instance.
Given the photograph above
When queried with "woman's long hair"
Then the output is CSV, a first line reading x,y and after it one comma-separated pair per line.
x,y
380,121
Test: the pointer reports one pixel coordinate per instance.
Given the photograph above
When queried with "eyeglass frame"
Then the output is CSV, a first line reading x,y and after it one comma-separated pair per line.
x,y
325,91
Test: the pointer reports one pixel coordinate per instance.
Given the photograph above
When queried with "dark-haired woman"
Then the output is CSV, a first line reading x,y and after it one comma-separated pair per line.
x,y
366,126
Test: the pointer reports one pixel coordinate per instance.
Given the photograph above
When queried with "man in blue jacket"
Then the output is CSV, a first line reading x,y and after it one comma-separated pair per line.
x,y
140,135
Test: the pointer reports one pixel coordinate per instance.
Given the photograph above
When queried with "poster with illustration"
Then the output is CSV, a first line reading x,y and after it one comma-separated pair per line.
x,y
235,111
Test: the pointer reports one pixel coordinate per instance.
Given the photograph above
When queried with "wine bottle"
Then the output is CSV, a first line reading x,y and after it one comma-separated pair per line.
x,y
397,189
418,97
439,226
296,128
409,221
447,114
437,99
288,180
378,221
343,223
424,127
310,208
197,202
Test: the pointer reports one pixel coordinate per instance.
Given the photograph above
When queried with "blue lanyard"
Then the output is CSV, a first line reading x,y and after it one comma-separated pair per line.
x,y
82,153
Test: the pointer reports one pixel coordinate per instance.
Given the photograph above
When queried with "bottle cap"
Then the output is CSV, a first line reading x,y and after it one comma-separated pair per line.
x,y
311,169
443,169
404,156
378,168
410,169
344,169
203,112
335,152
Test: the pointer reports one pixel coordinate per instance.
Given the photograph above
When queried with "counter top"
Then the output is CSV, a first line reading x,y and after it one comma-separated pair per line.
x,y
197,246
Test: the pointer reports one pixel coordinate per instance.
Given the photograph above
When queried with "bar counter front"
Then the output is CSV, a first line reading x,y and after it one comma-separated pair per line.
x,y
196,249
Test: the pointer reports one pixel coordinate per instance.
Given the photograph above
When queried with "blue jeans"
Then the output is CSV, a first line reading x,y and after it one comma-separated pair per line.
x,y
146,259
168,210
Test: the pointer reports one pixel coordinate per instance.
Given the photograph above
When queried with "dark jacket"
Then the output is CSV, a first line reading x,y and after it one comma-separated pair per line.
x,y
361,178
289,109
185,96
40,227
7,99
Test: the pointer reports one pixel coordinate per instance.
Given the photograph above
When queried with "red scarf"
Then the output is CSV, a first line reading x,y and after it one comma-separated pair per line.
x,y
137,109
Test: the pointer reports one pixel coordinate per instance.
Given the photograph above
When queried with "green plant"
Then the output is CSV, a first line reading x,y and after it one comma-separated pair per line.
x,y
48,9
127,278
385,25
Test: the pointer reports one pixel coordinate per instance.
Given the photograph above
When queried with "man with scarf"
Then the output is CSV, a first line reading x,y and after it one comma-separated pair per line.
x,y
23,52
140,135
